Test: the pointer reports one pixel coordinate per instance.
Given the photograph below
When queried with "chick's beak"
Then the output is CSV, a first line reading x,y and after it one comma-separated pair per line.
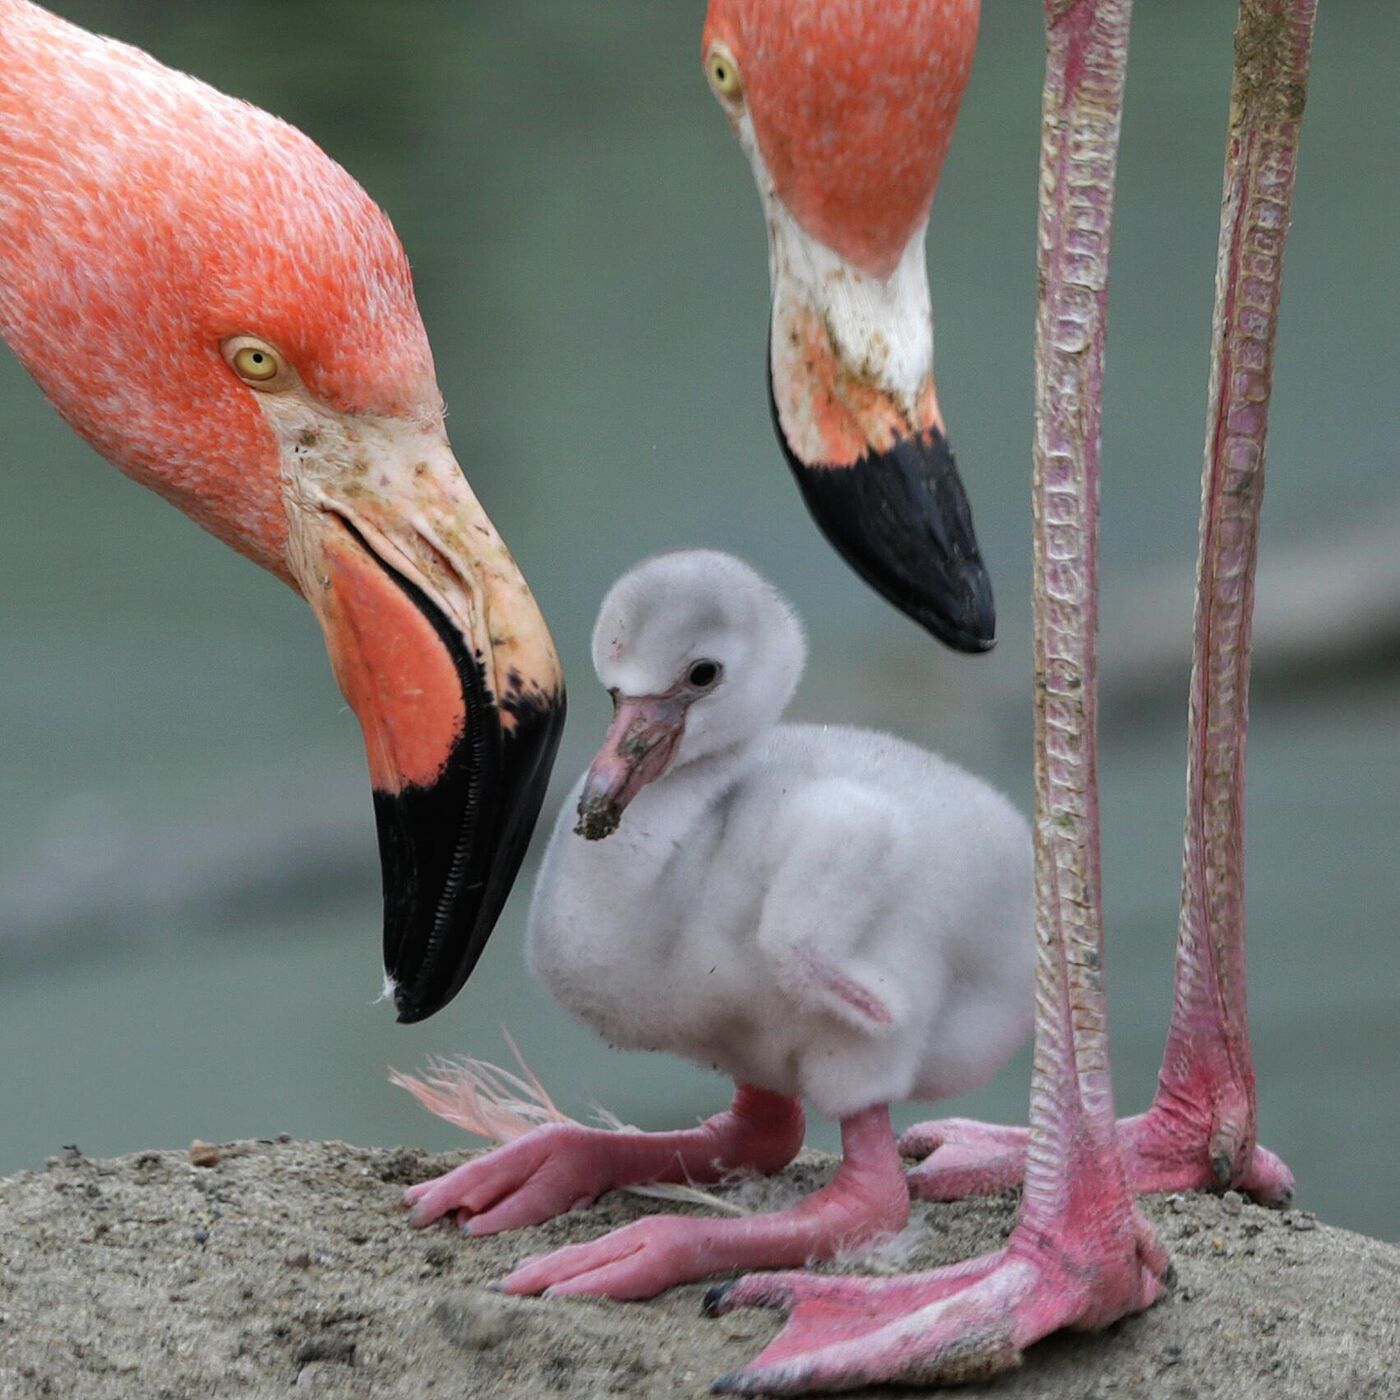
x,y
441,651
645,733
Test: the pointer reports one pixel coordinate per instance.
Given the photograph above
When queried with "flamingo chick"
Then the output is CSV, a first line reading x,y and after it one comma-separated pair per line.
x,y
823,913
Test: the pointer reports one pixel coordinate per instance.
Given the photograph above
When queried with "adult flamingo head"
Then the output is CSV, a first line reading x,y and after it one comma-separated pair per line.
x,y
226,315
845,110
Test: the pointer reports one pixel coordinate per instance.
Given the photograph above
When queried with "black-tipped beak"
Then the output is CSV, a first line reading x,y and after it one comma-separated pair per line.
x,y
451,848
901,519
441,650
460,722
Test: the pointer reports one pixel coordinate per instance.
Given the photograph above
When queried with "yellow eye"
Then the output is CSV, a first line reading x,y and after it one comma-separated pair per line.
x,y
253,363
723,74
256,363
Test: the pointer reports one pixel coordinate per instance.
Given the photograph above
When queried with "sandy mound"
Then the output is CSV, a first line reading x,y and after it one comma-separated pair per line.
x,y
287,1265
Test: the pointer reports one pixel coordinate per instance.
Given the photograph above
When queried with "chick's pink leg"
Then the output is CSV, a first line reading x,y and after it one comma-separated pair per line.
x,y
865,1199
560,1166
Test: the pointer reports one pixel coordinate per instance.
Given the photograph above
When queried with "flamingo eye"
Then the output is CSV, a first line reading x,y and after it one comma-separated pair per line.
x,y
723,74
257,363
704,674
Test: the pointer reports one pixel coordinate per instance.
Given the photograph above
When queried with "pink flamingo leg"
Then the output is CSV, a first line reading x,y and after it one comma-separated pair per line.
x,y
559,1166
1168,1148
1080,1255
961,1323
1201,1130
867,1198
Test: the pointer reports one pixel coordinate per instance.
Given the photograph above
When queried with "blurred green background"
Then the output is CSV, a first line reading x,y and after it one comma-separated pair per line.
x,y
189,917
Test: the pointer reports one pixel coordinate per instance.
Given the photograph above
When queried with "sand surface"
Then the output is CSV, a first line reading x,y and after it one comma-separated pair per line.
x,y
286,1267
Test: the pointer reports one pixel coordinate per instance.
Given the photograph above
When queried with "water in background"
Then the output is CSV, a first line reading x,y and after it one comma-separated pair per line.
x,y
188,878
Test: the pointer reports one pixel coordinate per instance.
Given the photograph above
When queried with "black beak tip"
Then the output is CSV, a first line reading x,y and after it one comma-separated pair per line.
x,y
450,847
900,518
410,1013
452,861
597,820
451,852
412,1006
965,616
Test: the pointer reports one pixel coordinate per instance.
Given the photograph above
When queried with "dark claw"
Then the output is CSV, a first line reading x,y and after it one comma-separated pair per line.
x,y
1222,1169
711,1304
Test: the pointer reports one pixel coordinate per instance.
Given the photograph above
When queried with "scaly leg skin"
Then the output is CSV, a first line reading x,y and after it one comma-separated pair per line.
x,y
1080,1255
867,1198
1201,1131
961,1323
560,1166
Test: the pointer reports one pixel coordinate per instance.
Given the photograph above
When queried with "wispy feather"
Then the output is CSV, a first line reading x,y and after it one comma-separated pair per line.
x,y
501,1105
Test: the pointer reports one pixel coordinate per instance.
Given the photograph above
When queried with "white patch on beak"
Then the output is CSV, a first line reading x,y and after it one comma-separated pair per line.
x,y
882,327
398,484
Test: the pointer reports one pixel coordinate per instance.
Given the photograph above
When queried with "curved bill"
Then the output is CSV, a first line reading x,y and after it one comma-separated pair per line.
x,y
641,743
901,519
850,386
442,653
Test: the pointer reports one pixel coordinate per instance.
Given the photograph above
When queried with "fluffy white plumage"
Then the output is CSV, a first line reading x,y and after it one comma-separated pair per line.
x,y
831,913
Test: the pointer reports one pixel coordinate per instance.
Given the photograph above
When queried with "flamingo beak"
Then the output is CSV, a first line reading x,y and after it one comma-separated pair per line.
x,y
441,651
899,516
850,385
646,731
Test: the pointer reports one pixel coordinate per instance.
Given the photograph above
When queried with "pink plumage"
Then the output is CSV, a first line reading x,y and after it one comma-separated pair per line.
x,y
144,217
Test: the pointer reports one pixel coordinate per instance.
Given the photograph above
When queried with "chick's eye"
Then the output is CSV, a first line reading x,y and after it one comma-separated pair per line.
x,y
723,73
256,363
703,674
